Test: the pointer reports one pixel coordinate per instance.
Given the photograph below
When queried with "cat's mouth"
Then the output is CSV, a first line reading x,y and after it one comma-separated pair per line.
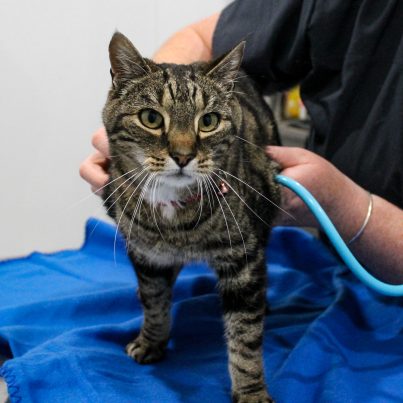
x,y
180,174
179,178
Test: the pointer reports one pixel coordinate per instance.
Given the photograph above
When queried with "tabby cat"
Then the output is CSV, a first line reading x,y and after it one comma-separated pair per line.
x,y
190,182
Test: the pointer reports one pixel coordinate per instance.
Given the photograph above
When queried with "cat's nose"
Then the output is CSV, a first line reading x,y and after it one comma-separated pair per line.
x,y
182,159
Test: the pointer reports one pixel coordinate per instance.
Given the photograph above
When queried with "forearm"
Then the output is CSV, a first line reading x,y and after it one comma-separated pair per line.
x,y
380,247
191,44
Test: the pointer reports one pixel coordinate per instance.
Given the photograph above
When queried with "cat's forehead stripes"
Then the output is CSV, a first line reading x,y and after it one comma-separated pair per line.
x,y
169,88
150,98
181,86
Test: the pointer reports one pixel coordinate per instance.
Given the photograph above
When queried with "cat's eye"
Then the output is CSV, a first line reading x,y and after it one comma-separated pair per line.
x,y
151,118
209,122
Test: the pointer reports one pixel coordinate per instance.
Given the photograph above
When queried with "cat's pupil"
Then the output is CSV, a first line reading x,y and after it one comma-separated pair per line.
x,y
152,117
207,120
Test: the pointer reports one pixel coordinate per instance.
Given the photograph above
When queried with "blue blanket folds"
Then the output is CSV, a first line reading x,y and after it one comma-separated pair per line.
x,y
66,317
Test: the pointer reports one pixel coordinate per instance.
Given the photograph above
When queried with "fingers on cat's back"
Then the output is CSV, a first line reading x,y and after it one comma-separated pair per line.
x,y
288,157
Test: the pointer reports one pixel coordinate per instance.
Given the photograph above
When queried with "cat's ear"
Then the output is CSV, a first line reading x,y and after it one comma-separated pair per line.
x,y
126,61
225,69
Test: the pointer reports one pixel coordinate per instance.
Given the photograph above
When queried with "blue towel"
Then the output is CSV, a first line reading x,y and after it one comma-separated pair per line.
x,y
65,319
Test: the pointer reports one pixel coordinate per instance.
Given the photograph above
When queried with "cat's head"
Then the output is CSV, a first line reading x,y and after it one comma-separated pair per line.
x,y
176,121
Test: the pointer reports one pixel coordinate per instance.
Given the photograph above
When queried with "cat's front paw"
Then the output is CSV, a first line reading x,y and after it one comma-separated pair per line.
x,y
259,397
144,352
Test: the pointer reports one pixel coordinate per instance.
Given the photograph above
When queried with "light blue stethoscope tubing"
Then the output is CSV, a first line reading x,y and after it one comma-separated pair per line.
x,y
338,243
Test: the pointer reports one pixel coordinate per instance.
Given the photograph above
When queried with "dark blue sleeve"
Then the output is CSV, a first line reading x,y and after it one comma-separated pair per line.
x,y
276,35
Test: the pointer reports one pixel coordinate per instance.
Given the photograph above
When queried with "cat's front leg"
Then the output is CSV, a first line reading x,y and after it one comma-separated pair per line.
x,y
155,293
243,288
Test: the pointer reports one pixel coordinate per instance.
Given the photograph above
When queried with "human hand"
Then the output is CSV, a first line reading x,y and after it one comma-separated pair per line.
x,y
94,169
343,200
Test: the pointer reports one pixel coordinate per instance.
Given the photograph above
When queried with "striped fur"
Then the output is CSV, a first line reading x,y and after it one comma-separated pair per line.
x,y
148,193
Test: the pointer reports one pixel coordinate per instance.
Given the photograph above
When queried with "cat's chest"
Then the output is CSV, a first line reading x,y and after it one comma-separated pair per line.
x,y
166,199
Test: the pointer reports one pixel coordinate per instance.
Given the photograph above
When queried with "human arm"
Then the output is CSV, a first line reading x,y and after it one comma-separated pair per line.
x,y
380,246
191,44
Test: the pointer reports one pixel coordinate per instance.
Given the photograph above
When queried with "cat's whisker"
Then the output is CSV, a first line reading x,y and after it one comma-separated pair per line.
x,y
154,208
153,204
97,191
139,203
200,191
208,194
138,206
242,200
133,178
200,183
132,220
145,210
204,185
142,197
236,222
137,210
135,175
210,180
142,190
122,213
189,190
260,194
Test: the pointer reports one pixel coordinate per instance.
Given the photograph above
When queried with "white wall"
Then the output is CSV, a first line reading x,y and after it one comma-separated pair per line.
x,y
54,76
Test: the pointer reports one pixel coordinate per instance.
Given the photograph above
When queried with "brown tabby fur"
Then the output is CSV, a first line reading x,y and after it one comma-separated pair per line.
x,y
227,220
